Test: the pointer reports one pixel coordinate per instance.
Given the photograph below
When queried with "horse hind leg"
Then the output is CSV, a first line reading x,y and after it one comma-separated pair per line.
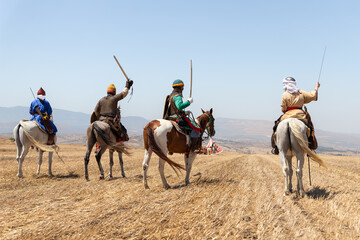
x,y
50,163
24,151
98,160
40,162
111,162
299,173
121,164
90,141
162,174
285,160
188,163
145,165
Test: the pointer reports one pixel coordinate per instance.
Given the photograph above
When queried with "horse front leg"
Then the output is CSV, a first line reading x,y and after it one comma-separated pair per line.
x,y
121,164
40,162
50,163
188,163
162,174
111,154
147,157
299,174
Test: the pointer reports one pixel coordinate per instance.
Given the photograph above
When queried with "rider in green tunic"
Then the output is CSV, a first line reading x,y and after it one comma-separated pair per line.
x,y
175,110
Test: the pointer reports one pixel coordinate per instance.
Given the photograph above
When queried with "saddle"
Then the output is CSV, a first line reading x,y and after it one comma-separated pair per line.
x,y
117,129
186,125
312,142
49,130
178,128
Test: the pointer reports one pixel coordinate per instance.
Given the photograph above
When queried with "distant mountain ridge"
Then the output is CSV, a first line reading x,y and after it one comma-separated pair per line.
x,y
231,132
67,122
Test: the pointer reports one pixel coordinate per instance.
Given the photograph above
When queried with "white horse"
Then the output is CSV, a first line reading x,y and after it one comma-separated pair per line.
x,y
26,134
161,137
291,139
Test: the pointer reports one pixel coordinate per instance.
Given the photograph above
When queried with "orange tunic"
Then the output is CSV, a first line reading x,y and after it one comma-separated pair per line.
x,y
296,100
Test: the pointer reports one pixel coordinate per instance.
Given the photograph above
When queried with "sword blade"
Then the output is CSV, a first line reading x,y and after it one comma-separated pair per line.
x,y
121,68
322,63
191,78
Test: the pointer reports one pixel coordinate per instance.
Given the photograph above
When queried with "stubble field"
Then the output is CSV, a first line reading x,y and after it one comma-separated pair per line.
x,y
231,196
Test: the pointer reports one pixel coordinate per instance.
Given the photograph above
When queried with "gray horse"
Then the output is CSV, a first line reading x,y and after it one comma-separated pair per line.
x,y
291,140
26,134
101,133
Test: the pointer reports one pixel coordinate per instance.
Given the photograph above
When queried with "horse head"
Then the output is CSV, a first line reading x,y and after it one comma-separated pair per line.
x,y
207,120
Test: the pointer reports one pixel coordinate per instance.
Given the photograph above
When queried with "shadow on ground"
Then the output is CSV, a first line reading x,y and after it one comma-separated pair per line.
x,y
320,193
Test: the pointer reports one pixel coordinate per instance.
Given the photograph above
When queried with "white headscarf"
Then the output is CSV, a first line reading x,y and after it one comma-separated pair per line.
x,y
290,85
41,97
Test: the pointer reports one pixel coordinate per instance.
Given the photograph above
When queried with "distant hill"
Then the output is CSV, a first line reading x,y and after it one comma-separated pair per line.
x,y
67,122
234,134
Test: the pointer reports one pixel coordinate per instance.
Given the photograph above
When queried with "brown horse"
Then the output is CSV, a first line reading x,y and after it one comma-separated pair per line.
x,y
101,133
161,137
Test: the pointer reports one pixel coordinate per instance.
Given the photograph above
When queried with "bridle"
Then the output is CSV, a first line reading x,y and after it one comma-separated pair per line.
x,y
207,128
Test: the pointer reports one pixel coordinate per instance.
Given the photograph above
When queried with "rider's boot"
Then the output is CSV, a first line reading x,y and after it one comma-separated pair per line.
x,y
195,144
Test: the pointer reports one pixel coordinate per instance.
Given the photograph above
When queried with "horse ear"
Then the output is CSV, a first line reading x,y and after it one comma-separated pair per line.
x,y
211,111
202,110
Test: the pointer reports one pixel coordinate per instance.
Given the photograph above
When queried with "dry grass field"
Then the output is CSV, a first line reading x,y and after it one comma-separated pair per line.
x,y
231,196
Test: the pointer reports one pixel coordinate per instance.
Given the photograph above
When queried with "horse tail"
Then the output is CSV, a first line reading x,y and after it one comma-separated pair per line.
x,y
117,146
36,143
303,144
17,135
151,144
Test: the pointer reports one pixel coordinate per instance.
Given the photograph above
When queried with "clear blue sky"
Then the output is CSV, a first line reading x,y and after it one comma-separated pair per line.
x,y
241,51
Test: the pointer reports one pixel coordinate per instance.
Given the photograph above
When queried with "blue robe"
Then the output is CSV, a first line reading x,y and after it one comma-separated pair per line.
x,y
45,108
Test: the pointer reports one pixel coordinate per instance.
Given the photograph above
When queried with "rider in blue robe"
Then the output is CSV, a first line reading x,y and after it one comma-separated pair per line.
x,y
43,106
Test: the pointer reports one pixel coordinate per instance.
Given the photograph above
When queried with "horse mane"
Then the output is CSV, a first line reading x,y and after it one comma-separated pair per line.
x,y
203,120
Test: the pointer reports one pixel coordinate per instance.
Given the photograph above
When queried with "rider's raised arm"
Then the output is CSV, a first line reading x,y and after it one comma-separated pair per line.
x,y
124,92
309,96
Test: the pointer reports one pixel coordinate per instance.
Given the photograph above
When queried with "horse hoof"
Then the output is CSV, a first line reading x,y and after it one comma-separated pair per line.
x,y
87,179
287,193
102,177
146,187
19,175
110,176
302,194
187,183
167,186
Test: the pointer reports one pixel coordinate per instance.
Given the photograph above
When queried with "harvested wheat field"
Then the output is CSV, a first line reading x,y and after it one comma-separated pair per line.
x,y
231,196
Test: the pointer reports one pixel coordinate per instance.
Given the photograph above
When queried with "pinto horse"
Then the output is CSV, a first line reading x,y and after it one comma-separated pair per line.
x,y
161,137
291,140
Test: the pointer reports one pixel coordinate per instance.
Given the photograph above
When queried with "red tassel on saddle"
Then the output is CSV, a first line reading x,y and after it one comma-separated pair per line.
x,y
191,125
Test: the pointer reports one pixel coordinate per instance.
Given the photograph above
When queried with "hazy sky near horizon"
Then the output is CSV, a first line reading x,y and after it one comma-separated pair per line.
x,y
241,51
